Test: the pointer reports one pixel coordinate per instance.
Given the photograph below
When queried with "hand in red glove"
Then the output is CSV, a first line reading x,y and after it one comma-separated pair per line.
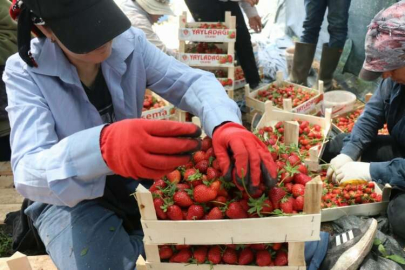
x,y
148,149
253,160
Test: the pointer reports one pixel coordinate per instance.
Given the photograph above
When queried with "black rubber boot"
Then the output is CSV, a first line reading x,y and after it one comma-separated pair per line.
x,y
303,58
329,61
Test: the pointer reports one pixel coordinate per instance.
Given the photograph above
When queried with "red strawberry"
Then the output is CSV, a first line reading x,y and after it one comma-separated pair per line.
x,y
281,258
215,165
182,199
195,212
220,201
301,178
165,252
246,257
215,213
294,160
244,204
198,156
182,257
181,247
230,58
206,143
203,194
298,190
288,187
209,153
202,166
287,205
277,246
258,246
263,258
200,254
182,186
212,174
174,212
370,185
174,176
236,211
192,175
214,255
275,195
299,203
157,185
303,169
158,203
189,165
230,256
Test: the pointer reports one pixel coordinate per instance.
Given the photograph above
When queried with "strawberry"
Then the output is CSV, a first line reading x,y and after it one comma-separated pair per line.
x,y
258,246
235,211
182,257
277,246
263,258
370,185
215,213
158,203
301,178
288,187
215,165
244,204
157,185
299,203
212,174
294,160
182,199
303,169
198,156
298,190
202,166
246,257
165,252
206,143
192,175
230,256
181,247
230,58
203,194
174,212
287,205
281,258
200,254
182,186
209,153
174,176
195,212
214,255
275,195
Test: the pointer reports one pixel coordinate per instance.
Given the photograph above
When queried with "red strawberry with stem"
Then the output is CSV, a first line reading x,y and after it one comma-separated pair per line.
x,y
215,255
195,212
159,203
235,211
200,254
276,194
281,258
215,213
263,258
182,199
165,252
202,166
203,193
246,257
302,179
174,212
206,143
174,177
230,256
298,190
299,203
198,156
287,205
212,174
182,257
277,246
260,206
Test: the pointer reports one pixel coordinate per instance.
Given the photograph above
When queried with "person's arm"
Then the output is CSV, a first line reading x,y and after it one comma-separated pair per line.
x,y
366,128
47,169
192,90
8,32
248,9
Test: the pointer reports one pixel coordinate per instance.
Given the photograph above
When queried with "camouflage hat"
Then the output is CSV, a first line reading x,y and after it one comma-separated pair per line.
x,y
385,42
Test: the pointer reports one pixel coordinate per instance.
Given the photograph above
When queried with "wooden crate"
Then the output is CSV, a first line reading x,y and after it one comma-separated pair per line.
x,y
166,112
271,116
225,38
292,229
369,209
313,106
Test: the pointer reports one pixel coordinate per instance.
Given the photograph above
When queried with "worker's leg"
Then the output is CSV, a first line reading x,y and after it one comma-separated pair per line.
x,y
86,236
338,17
315,12
205,11
243,45
396,215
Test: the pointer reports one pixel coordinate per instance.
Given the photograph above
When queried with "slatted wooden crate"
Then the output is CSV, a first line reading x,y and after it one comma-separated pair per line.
x,y
295,230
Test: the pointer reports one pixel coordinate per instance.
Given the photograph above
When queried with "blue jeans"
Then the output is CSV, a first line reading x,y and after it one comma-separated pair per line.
x,y
338,16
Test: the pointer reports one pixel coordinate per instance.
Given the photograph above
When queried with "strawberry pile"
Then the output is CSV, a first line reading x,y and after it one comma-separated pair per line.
x,y
217,25
351,194
150,102
277,94
255,254
309,136
346,122
204,48
239,75
197,191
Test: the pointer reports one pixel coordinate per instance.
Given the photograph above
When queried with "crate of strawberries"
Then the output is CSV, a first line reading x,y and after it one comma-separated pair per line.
x,y
303,99
207,32
194,205
344,123
206,54
155,107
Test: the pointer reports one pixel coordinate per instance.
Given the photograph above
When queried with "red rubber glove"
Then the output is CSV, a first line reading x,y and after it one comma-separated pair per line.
x,y
252,158
139,148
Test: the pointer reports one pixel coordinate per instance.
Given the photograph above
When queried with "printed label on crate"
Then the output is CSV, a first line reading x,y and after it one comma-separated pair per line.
x,y
312,106
195,59
159,113
212,35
